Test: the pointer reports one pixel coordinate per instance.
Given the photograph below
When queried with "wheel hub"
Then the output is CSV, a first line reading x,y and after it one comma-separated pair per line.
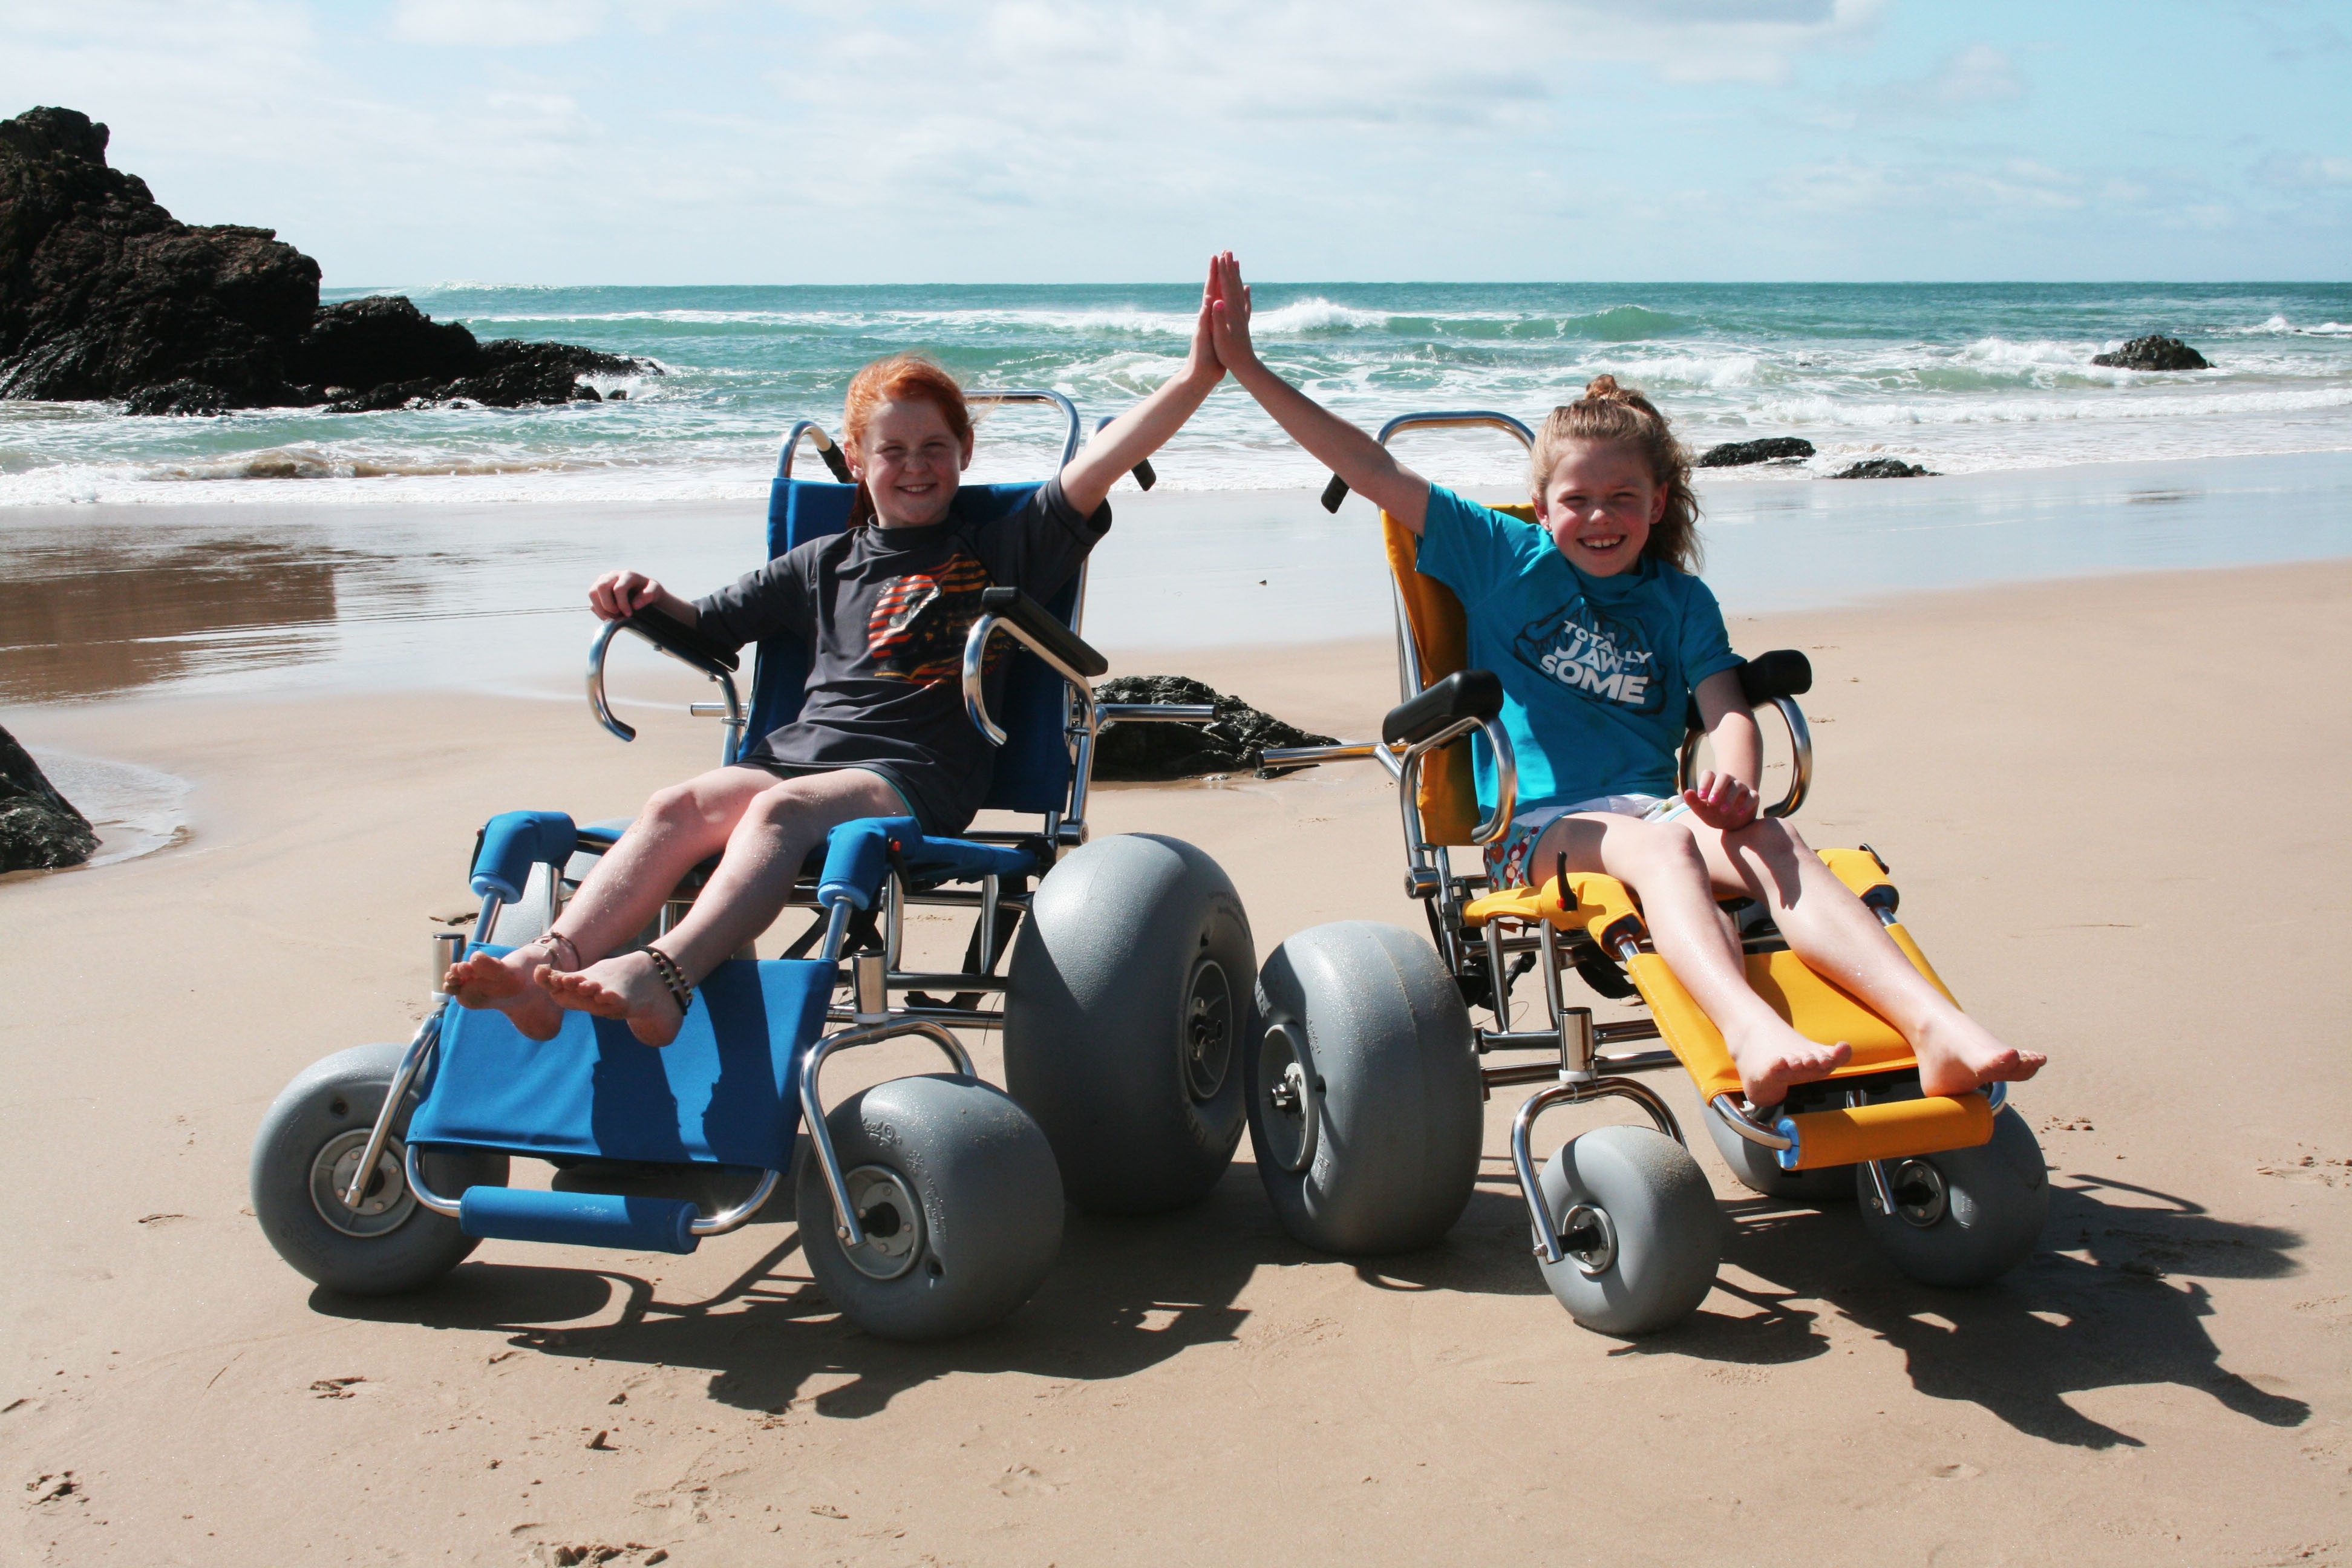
x,y
1920,1196
1589,1238
1208,1036
386,1204
1286,1107
891,1218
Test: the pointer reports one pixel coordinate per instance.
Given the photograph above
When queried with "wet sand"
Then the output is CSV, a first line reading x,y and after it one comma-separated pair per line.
x,y
2112,808
282,597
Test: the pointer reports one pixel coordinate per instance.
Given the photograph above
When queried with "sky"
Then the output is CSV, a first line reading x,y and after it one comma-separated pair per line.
x,y
405,142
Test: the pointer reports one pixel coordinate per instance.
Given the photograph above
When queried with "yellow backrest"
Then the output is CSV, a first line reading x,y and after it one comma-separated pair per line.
x,y
1448,794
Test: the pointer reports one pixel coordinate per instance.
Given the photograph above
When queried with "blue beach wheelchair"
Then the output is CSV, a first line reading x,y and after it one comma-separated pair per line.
x,y
929,1206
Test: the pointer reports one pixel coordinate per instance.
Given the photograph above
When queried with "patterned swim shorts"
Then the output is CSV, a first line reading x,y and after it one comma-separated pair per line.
x,y
1506,857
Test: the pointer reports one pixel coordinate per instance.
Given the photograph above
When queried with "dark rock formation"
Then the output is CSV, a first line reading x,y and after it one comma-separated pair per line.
x,y
1884,469
1230,743
104,294
1772,448
39,830
2153,353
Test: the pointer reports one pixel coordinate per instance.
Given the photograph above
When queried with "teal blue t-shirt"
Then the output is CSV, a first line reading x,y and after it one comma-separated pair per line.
x,y
1597,672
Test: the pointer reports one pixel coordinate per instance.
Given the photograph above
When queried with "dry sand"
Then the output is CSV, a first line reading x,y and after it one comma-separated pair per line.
x,y
2116,813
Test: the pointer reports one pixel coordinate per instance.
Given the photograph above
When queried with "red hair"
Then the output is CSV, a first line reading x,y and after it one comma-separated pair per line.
x,y
901,378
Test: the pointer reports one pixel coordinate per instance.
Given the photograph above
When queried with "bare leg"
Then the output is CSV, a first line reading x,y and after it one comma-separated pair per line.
x,y
1661,862
680,828
772,835
1842,940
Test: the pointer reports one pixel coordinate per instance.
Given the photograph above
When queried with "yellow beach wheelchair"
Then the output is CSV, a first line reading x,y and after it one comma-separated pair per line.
x,y
1366,1078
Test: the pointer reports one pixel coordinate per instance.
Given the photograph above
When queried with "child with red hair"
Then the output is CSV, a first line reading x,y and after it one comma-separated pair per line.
x,y
884,609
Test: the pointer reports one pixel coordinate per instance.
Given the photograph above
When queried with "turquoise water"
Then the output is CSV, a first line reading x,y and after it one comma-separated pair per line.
x,y
1965,379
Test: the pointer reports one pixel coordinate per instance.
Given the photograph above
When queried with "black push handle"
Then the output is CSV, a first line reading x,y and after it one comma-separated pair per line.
x,y
1334,493
835,464
672,636
1142,470
1013,605
1466,694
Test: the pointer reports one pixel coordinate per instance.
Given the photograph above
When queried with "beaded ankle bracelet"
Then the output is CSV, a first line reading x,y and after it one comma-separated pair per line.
x,y
674,977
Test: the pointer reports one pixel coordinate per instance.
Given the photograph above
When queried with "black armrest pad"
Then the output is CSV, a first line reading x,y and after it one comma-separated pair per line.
x,y
1013,605
1783,672
669,633
1467,694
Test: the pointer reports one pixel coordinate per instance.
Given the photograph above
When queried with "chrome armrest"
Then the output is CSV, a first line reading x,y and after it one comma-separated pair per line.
x,y
1800,758
975,664
612,722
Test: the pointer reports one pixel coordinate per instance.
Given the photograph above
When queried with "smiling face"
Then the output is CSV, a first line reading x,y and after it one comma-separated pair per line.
x,y
911,463
1599,505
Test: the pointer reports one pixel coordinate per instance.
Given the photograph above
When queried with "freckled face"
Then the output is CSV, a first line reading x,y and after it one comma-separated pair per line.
x,y
911,463
1599,505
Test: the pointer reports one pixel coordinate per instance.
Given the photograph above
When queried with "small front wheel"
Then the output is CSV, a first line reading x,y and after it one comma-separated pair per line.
x,y
1638,1227
1965,1216
309,1146
957,1195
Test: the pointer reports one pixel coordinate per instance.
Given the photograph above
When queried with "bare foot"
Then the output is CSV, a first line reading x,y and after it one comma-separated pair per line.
x,y
509,985
1958,1053
627,987
1773,1057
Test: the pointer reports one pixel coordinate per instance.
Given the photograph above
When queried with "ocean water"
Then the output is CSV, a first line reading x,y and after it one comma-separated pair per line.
x,y
1963,378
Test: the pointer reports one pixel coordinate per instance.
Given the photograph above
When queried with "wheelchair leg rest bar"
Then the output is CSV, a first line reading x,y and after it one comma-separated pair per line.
x,y
1887,1130
587,1219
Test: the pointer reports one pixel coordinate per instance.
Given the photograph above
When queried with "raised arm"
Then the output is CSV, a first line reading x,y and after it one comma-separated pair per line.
x,y
1140,431
1339,446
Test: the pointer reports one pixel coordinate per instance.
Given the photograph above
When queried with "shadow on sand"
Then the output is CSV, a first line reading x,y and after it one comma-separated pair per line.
x,y
1127,1293
2114,1299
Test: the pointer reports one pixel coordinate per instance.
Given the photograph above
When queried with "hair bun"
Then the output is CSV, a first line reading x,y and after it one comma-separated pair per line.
x,y
1602,389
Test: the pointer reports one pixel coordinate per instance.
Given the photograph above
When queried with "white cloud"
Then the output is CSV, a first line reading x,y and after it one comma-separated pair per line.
x,y
496,24
1977,74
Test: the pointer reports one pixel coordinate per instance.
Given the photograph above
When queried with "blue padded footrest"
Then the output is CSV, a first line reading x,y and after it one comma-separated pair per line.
x,y
587,1219
725,1092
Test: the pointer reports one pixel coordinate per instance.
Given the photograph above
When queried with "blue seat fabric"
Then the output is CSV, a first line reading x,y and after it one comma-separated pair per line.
x,y
1032,767
725,1092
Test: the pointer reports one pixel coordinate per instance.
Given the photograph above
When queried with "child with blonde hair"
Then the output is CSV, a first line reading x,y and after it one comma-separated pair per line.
x,y
1602,635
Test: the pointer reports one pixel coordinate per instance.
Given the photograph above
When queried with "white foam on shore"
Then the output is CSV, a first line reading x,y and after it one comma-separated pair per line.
x,y
135,810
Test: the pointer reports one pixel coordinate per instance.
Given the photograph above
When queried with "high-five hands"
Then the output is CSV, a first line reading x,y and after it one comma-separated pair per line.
x,y
1229,311
1204,348
1721,800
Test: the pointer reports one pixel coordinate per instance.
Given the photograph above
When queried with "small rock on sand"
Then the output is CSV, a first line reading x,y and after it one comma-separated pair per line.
x,y
1883,469
39,828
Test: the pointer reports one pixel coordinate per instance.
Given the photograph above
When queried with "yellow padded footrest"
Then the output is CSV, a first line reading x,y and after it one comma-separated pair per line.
x,y
1892,1130
1814,1008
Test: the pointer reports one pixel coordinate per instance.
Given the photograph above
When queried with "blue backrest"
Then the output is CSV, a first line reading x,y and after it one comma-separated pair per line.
x,y
1032,768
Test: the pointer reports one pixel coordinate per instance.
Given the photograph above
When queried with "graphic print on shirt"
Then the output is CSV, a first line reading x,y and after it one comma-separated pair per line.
x,y
917,630
1595,656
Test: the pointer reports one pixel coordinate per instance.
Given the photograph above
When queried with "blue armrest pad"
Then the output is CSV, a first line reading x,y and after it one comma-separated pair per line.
x,y
515,841
725,1092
